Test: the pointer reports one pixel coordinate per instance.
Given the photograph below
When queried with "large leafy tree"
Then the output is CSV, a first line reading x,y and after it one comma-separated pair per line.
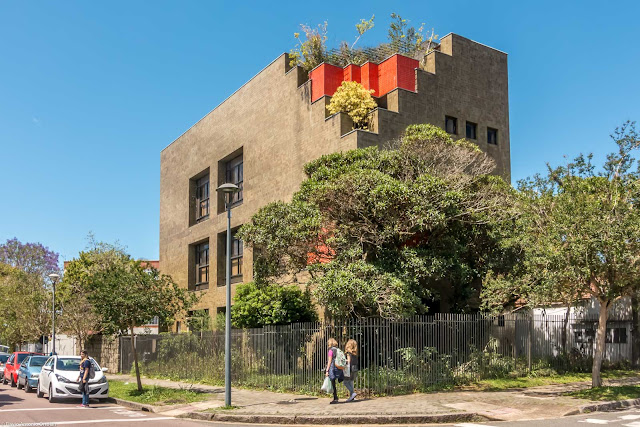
x,y
387,232
578,236
126,293
26,290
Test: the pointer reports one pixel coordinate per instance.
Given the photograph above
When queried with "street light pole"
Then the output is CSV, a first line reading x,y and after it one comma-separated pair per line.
x,y
54,278
227,190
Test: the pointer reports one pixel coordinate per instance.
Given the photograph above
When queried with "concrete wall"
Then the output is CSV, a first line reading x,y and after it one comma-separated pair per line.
x,y
272,120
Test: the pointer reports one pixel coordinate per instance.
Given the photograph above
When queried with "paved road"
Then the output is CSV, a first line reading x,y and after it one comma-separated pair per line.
x,y
627,418
20,408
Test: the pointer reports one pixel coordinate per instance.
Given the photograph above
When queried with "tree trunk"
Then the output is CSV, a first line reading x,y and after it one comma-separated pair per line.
x,y
135,360
599,348
565,326
635,330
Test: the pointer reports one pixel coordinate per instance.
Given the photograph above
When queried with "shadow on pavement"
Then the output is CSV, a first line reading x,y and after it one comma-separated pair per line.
x,y
6,399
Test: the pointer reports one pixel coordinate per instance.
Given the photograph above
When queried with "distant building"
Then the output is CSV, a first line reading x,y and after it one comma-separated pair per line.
x,y
261,136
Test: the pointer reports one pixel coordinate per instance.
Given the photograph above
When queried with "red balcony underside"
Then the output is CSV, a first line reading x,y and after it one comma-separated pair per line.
x,y
397,71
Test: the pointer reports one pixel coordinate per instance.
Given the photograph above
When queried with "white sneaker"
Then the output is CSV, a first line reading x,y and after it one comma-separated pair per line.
x,y
352,397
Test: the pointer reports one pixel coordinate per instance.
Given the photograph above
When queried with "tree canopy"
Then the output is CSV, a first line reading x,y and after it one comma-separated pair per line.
x,y
388,232
577,235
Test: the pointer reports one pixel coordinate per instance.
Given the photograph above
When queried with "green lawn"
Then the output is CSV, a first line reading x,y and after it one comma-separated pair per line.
x,y
154,395
533,381
608,393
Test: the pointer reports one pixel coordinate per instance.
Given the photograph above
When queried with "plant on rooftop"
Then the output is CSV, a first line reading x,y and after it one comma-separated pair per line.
x,y
354,100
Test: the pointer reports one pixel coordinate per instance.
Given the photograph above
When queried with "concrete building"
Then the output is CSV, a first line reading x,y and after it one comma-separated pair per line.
x,y
277,122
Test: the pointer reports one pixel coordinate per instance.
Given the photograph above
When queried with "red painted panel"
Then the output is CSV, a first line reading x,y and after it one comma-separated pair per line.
x,y
369,77
352,73
407,73
325,79
388,75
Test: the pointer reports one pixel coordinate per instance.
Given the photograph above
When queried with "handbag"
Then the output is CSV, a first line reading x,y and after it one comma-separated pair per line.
x,y
347,371
326,386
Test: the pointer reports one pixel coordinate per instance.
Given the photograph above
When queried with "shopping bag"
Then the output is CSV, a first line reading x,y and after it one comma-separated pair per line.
x,y
326,386
347,371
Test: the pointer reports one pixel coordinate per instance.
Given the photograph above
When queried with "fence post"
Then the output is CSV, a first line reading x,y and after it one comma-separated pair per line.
x,y
529,341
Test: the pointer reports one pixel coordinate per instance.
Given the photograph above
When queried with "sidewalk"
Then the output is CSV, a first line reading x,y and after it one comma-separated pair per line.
x,y
265,406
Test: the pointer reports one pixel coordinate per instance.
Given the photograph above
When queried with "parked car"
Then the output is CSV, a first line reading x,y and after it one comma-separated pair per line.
x,y
3,359
59,379
10,374
30,371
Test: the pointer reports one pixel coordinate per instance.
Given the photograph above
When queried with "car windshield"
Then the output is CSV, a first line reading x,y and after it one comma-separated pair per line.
x,y
68,364
22,356
37,360
4,358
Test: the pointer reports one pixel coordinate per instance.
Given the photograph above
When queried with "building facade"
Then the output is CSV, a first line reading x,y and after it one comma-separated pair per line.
x,y
261,136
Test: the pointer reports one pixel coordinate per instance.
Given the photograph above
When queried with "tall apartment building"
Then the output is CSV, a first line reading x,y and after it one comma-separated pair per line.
x,y
260,137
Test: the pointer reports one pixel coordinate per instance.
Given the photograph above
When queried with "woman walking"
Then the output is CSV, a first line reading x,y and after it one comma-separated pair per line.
x,y
351,350
332,371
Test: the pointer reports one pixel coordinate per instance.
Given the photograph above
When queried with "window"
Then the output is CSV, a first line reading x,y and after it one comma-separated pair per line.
x,y
221,310
617,335
472,129
236,259
492,136
202,198
202,266
451,125
234,175
178,327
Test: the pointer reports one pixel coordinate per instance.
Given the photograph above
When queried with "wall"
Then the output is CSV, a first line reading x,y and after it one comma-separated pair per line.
x,y
273,120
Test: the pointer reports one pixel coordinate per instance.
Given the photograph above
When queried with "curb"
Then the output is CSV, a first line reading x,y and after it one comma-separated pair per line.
x,y
608,406
338,419
135,405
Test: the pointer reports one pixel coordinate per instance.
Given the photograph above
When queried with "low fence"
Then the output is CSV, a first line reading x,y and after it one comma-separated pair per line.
x,y
415,354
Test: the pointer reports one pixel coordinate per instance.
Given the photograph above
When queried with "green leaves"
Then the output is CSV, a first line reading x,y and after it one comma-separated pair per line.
x,y
385,232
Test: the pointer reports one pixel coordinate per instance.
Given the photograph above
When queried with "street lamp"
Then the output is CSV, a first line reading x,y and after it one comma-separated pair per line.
x,y
54,279
227,190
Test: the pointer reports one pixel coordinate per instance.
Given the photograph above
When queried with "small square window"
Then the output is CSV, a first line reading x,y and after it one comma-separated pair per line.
x,y
492,136
472,130
451,125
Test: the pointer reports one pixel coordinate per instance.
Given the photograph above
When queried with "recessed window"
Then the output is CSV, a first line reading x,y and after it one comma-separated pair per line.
x,y
202,266
472,130
234,175
236,258
451,125
202,199
492,136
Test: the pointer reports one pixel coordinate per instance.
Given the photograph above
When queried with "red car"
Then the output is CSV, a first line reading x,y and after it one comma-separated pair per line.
x,y
12,366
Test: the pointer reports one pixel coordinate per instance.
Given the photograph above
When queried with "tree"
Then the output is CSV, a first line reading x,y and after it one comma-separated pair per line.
x,y
126,293
354,100
388,232
24,276
257,305
578,236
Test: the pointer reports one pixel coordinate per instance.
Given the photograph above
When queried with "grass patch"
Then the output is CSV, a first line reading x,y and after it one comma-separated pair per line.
x,y
622,392
222,408
534,380
154,395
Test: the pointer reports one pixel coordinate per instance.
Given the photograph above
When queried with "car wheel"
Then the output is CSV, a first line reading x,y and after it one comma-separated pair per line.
x,y
38,392
13,381
18,384
51,398
27,387
4,380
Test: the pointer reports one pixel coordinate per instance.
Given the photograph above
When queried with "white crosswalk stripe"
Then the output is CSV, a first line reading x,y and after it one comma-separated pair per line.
x,y
596,421
472,425
629,417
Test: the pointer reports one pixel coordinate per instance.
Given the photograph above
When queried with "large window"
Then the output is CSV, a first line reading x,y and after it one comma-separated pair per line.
x,y
236,258
202,266
234,175
202,198
451,125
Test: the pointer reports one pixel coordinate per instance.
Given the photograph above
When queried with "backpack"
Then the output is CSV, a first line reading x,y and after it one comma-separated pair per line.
x,y
341,359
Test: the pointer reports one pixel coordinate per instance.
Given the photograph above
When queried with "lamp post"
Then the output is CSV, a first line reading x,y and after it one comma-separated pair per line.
x,y
227,190
54,279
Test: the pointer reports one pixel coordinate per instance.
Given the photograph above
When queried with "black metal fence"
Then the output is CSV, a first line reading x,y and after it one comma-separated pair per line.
x,y
415,354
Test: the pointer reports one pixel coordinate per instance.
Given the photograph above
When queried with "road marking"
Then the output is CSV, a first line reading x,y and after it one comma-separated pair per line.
x,y
594,421
634,424
629,417
471,425
114,420
58,409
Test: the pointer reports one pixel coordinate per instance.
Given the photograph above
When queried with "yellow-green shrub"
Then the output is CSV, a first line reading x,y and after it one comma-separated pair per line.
x,y
356,101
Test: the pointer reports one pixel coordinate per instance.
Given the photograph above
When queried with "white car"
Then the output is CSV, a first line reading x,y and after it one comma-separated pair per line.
x,y
59,379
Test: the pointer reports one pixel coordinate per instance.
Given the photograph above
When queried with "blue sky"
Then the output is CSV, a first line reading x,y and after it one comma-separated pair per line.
x,y
91,92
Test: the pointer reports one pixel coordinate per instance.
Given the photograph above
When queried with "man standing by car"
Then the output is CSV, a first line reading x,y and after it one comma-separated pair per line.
x,y
85,367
